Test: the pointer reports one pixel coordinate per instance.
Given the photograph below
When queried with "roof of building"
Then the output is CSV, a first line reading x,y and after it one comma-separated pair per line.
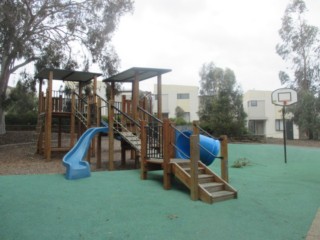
x,y
136,72
67,75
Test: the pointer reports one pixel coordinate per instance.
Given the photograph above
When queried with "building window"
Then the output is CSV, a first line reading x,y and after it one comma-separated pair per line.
x,y
279,125
183,96
253,103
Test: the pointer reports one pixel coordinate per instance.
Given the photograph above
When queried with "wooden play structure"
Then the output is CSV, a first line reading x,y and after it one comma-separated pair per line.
x,y
150,139
58,109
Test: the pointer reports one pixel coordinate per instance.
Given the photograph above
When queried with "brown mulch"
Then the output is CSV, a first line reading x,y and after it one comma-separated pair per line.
x,y
18,155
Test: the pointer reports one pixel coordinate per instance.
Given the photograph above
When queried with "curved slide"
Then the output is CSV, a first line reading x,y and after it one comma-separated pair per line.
x,y
209,147
74,161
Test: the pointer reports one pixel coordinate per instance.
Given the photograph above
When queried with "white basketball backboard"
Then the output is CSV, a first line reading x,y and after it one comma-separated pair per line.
x,y
284,97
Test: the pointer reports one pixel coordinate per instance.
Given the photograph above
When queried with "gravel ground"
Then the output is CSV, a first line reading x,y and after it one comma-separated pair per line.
x,y
17,155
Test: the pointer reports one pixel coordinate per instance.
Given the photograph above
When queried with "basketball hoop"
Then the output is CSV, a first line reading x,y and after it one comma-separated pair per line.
x,y
284,97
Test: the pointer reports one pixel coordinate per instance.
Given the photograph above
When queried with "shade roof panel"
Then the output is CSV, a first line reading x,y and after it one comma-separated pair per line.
x,y
141,73
67,75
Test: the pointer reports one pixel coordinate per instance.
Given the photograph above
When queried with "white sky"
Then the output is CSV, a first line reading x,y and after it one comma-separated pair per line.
x,y
182,35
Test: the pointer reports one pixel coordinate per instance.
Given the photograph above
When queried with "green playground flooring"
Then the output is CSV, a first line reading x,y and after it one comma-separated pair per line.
x,y
275,201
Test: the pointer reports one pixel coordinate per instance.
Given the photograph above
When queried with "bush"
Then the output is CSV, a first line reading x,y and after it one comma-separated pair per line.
x,y
240,163
29,118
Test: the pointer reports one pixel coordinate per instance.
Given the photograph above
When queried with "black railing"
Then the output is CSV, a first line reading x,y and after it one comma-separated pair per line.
x,y
154,134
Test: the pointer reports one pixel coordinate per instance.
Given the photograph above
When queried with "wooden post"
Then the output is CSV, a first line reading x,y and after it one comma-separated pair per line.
x,y
111,136
159,95
143,138
48,124
195,127
224,159
80,109
166,154
59,132
40,97
73,120
99,136
88,126
194,158
172,132
123,109
95,90
135,99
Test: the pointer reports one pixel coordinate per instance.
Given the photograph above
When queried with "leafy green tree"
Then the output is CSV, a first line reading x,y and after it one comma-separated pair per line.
x,y
221,110
57,33
21,105
179,112
301,49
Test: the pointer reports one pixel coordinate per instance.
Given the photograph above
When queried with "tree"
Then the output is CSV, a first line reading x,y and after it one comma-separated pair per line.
x,y
179,112
221,109
21,105
301,49
57,33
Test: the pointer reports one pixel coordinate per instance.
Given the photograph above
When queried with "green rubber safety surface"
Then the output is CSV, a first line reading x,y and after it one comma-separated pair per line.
x,y
275,201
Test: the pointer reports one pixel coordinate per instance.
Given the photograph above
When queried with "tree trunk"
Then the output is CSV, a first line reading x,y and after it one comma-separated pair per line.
x,y
4,80
2,122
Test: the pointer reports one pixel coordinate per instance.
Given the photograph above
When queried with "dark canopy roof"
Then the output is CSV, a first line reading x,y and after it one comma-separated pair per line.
x,y
141,73
67,75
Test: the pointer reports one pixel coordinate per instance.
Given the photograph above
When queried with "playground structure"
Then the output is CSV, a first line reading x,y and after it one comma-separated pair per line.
x,y
155,143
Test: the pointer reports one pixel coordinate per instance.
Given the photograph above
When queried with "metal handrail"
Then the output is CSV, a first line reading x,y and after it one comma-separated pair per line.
x,y
127,116
149,114
205,132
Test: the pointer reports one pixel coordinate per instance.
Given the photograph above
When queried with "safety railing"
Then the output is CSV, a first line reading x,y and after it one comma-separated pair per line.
x,y
154,135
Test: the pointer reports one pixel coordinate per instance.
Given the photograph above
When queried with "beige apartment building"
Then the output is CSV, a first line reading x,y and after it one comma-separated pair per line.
x,y
265,118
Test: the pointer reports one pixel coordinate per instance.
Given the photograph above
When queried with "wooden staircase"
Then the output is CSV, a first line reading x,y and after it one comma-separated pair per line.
x,y
132,139
211,187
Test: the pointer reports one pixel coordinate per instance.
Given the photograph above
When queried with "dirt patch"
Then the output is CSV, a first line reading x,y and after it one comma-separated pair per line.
x,y
18,156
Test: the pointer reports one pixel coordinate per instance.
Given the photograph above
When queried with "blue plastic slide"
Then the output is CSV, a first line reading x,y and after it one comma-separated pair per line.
x,y
74,161
209,147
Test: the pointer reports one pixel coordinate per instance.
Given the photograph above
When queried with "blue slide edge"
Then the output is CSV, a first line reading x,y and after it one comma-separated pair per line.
x,y
76,166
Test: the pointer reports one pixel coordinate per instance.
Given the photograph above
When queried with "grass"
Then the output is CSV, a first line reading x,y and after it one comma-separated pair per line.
x,y
240,163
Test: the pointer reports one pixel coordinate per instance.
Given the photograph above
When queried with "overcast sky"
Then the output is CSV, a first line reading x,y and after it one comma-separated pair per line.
x,y
184,34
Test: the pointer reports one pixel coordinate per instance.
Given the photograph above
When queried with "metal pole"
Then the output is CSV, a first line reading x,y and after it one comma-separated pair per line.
x,y
284,134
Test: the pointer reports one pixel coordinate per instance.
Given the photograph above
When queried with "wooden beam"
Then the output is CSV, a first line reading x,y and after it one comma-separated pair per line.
x,y
194,158
111,136
224,159
159,96
195,127
143,138
135,97
40,97
166,154
99,135
48,124
73,120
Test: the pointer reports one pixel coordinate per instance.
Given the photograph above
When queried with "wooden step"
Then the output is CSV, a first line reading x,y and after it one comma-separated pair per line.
x,y
212,186
201,170
205,178
222,195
